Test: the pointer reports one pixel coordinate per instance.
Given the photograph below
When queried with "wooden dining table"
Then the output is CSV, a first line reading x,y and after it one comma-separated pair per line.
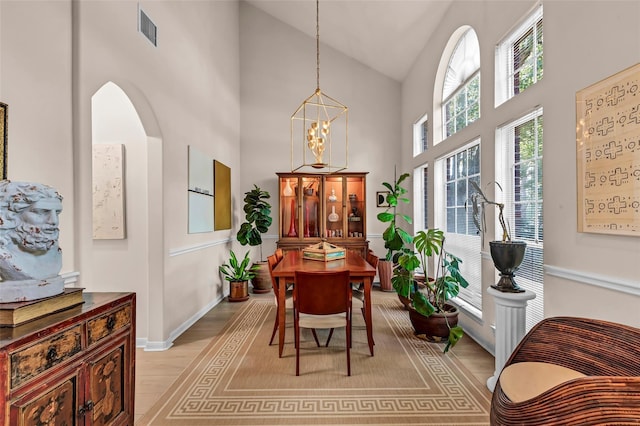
x,y
360,271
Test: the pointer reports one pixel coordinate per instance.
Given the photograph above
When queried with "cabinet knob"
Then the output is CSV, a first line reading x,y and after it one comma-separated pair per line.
x,y
111,322
84,408
52,354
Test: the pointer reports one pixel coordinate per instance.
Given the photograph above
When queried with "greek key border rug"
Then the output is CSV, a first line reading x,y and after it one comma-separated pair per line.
x,y
238,378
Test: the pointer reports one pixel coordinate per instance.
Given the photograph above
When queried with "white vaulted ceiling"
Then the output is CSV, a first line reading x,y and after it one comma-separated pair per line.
x,y
386,35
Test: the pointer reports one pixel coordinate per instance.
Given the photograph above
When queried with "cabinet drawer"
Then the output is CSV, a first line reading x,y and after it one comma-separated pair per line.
x,y
35,359
101,327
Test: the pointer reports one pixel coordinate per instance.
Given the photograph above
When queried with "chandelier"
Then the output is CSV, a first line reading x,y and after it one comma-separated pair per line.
x,y
319,137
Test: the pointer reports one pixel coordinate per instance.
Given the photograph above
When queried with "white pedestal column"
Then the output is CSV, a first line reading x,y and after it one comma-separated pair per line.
x,y
511,320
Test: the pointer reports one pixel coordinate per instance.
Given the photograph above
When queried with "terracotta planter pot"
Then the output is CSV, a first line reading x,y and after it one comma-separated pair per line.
x,y
435,326
405,301
238,291
385,270
262,281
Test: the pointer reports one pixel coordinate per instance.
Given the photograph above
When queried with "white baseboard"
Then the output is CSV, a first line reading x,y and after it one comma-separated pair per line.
x,y
155,346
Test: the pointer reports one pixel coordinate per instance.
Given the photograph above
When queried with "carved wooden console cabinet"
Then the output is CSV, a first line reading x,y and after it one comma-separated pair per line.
x,y
75,367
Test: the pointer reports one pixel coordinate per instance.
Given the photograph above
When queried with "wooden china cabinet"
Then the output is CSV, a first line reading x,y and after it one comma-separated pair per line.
x,y
323,206
74,367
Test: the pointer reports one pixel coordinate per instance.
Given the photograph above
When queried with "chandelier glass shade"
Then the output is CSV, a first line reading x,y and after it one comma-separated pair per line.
x,y
319,129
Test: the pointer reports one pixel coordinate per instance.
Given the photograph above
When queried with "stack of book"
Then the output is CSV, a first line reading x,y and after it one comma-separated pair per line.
x,y
17,313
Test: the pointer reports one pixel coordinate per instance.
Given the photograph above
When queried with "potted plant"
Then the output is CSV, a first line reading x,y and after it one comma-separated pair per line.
x,y
507,255
429,311
238,273
394,237
257,221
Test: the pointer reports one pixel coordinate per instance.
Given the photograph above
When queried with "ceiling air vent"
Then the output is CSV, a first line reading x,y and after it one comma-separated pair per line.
x,y
148,28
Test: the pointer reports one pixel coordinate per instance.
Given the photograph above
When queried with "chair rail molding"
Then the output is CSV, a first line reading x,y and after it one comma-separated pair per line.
x,y
608,282
190,249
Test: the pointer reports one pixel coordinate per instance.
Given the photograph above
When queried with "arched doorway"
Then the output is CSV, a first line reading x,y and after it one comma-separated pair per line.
x,y
126,261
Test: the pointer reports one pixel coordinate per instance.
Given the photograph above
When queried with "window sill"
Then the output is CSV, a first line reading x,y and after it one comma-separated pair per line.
x,y
473,312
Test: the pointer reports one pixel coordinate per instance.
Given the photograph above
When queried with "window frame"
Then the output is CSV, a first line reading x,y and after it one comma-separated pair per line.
x,y
505,66
464,87
470,298
505,155
421,135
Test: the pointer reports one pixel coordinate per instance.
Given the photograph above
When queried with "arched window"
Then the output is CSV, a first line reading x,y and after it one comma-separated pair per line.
x,y
457,99
461,86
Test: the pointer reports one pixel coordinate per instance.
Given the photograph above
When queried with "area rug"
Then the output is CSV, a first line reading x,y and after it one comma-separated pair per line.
x,y
238,379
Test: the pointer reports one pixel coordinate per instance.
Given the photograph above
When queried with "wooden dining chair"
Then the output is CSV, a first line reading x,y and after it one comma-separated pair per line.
x,y
279,254
322,300
358,291
273,262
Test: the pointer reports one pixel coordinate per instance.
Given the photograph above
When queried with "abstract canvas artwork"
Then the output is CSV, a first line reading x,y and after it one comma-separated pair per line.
x,y
200,192
108,192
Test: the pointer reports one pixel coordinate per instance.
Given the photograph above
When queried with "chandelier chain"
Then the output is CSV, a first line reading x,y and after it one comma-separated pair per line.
x,y
318,44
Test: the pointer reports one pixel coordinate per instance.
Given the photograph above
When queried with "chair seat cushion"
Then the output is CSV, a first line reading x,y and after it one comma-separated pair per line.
x,y
526,380
322,321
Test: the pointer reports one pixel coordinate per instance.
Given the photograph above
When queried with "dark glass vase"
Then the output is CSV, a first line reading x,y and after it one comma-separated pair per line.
x,y
507,257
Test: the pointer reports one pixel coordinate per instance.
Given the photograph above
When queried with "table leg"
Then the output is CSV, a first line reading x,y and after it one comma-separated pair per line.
x,y
282,292
367,311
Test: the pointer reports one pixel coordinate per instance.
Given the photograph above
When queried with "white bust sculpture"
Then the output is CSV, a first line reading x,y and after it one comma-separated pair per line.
x,y
30,258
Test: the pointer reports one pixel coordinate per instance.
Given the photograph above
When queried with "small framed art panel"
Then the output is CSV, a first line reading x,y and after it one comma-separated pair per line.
x,y
222,187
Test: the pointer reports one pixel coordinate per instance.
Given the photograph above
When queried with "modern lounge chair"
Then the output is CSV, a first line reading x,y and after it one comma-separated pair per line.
x,y
571,371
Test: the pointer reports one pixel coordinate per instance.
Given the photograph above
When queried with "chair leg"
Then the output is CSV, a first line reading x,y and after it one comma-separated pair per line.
x,y
297,344
315,336
348,331
329,338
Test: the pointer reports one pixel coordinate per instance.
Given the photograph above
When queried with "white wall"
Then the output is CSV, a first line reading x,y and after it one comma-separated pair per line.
x,y
35,81
278,71
186,92
583,42
190,84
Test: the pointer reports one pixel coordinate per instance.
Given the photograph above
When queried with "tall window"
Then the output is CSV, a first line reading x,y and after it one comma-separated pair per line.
x,y
461,89
519,58
420,135
456,171
425,197
520,151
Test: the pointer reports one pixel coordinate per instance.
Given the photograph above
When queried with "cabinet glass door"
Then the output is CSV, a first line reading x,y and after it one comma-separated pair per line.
x,y
311,208
334,212
355,207
289,207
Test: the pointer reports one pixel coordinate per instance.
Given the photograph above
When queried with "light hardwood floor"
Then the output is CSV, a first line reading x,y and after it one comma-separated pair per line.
x,y
156,371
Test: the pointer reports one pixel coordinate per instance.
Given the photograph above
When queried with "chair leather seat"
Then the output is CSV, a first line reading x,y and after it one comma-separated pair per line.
x,y
526,380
